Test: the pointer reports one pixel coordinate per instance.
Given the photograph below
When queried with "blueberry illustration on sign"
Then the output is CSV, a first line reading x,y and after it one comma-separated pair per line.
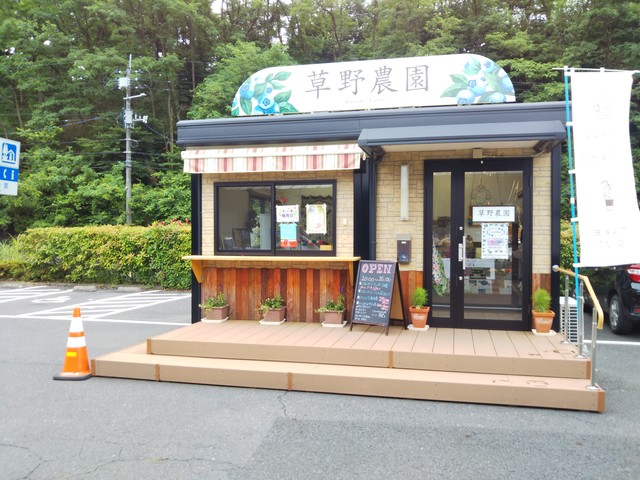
x,y
260,95
481,81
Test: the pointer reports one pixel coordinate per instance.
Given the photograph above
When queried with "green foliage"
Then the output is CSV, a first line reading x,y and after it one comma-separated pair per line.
x,y
566,244
10,264
213,97
420,298
541,300
332,305
217,300
149,256
271,303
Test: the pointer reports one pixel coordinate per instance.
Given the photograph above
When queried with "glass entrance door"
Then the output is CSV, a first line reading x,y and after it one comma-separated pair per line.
x,y
478,217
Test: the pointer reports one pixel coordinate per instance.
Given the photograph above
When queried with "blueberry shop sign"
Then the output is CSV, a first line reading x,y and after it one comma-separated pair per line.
x,y
462,79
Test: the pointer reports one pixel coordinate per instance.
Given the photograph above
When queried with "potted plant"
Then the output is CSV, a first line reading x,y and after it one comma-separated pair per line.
x,y
273,309
333,311
540,310
216,307
419,308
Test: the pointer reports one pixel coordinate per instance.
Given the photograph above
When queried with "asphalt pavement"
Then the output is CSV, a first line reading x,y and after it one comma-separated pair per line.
x,y
104,428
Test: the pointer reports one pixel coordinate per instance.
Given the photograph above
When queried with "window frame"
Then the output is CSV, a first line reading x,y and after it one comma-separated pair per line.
x,y
274,252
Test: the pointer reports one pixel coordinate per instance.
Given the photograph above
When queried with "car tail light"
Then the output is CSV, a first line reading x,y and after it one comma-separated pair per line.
x,y
634,273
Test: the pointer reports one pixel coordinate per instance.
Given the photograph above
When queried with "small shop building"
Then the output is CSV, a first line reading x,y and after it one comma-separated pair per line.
x,y
464,197
424,167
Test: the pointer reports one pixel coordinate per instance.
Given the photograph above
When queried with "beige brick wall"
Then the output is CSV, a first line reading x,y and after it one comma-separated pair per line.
x,y
541,262
344,203
390,226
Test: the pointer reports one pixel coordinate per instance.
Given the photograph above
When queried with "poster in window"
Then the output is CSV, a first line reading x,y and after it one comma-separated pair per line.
x,y
495,241
317,218
288,235
287,213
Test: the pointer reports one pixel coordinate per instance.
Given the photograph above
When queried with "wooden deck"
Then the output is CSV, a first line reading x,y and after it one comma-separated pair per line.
x,y
472,366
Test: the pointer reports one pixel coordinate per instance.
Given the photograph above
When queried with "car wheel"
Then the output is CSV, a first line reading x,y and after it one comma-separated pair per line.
x,y
618,323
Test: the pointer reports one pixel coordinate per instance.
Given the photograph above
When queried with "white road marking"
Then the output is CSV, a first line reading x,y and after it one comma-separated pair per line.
x,y
51,300
95,309
614,342
98,320
10,295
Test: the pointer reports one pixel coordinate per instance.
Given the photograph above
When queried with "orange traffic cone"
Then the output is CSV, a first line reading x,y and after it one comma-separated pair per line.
x,y
76,361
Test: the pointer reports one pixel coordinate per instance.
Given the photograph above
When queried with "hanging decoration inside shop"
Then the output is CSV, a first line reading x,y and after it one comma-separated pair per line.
x,y
461,79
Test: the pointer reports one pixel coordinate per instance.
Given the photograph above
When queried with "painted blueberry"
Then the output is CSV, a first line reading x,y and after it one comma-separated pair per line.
x,y
496,97
267,105
465,97
246,91
490,66
478,86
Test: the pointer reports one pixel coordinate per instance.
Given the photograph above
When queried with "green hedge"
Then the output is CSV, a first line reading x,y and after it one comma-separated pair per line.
x,y
150,256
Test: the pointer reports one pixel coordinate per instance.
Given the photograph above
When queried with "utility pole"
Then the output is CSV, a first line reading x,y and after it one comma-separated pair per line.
x,y
129,120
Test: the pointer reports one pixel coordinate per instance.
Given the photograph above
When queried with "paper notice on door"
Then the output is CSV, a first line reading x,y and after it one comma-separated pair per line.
x,y
495,241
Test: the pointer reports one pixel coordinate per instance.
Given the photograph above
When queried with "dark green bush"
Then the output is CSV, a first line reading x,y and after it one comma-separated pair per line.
x,y
150,256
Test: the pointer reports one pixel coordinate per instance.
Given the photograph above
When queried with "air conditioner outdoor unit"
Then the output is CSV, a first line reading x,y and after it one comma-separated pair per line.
x,y
571,320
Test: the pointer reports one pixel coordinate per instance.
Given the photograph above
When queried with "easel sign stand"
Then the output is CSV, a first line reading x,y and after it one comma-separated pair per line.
x,y
378,295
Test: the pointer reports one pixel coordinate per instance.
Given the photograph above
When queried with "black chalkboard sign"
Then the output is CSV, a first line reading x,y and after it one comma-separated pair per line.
x,y
377,294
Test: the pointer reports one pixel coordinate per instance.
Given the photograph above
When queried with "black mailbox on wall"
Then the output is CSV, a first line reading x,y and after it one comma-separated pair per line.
x,y
404,249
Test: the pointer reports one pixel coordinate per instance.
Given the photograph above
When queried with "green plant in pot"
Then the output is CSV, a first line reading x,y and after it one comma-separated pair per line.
x,y
273,309
333,311
216,307
419,308
541,311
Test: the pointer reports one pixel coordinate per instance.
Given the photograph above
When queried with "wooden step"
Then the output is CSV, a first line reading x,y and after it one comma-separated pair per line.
x,y
439,349
498,389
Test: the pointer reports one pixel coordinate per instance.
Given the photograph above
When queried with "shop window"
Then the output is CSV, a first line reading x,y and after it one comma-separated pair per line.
x,y
275,218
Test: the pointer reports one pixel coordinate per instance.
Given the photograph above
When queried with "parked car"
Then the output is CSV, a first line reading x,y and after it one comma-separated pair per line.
x,y
618,290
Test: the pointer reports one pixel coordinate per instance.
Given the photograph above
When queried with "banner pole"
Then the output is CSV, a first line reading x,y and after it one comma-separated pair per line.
x,y
574,218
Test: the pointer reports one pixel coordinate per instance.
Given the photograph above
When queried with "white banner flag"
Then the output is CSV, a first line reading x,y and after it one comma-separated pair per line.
x,y
608,214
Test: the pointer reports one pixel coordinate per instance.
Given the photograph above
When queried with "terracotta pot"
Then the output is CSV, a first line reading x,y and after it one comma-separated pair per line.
x,y
332,317
217,313
542,321
275,315
419,316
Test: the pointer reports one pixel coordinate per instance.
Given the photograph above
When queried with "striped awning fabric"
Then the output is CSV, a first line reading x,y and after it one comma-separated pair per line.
x,y
284,158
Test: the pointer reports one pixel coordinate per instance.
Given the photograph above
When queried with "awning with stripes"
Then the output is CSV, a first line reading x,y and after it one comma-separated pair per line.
x,y
283,158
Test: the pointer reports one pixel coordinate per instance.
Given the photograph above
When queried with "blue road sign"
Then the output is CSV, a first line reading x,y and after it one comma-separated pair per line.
x,y
9,166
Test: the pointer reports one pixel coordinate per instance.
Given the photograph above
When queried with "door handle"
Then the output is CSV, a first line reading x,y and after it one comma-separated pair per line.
x,y
462,254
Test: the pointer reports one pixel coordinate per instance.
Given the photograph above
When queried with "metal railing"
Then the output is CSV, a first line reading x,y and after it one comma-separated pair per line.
x,y
597,319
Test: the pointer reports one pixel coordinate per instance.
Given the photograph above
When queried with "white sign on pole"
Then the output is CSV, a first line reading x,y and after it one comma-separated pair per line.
x,y
9,166
608,214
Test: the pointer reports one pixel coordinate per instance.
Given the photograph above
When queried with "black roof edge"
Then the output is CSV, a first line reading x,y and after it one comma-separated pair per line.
x,y
348,126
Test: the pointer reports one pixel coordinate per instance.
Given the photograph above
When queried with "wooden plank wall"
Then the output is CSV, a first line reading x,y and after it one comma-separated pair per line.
x,y
409,280
304,290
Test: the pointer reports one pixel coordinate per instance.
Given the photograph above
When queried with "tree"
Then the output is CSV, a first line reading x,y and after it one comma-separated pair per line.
x,y
214,96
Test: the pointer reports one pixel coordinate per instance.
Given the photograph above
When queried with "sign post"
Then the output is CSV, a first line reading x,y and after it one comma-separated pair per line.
x,y
9,166
378,294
